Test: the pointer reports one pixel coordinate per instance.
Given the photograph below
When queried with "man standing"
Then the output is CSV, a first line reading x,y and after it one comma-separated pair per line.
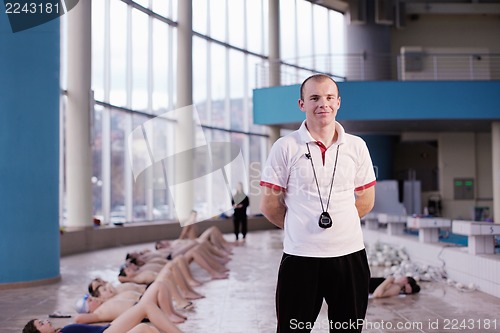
x,y
317,183
240,212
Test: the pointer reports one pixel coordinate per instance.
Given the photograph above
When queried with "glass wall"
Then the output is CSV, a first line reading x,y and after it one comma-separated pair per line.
x,y
312,39
133,80
230,40
132,74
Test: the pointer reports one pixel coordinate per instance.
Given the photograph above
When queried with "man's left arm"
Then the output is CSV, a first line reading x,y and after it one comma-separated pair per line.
x,y
365,199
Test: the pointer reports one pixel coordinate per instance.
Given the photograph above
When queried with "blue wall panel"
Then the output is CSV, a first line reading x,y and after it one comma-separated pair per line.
x,y
420,100
29,152
383,100
277,105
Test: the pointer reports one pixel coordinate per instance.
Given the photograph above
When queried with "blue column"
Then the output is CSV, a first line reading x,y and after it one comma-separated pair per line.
x,y
29,152
495,156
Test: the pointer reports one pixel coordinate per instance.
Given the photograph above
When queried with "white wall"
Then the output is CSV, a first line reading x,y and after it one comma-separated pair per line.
x,y
457,31
464,155
484,170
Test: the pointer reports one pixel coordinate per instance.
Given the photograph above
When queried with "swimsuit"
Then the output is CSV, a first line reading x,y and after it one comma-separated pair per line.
x,y
374,283
83,328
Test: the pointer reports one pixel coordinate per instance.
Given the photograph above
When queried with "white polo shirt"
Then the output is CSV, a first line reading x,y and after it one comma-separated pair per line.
x,y
289,169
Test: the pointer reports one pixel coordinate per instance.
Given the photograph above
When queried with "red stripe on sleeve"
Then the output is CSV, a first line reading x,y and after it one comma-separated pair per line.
x,y
272,186
365,186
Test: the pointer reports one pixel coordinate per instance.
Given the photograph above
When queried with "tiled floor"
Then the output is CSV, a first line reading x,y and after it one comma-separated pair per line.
x,y
244,303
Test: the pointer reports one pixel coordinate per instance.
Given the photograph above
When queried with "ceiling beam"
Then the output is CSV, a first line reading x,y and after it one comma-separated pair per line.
x,y
453,8
338,5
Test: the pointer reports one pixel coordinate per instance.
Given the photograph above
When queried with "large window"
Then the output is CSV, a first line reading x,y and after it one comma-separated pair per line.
x,y
132,79
134,50
311,40
118,57
231,40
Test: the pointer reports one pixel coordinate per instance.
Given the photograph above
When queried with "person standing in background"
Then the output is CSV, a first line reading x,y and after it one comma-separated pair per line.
x,y
240,218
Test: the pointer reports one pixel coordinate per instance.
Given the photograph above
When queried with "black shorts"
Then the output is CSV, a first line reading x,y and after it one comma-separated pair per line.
x,y
304,282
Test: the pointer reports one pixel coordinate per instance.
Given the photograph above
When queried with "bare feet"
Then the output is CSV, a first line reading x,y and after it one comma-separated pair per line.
x,y
193,295
186,306
194,283
176,319
222,260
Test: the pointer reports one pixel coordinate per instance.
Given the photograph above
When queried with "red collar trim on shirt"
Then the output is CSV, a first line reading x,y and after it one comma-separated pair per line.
x,y
323,149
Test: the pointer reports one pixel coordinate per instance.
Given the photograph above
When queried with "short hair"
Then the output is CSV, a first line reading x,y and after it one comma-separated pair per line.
x,y
30,327
91,288
415,288
96,292
132,260
91,285
317,77
122,271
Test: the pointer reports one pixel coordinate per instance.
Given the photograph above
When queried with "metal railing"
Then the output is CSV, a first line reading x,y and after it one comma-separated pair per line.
x,y
382,67
444,66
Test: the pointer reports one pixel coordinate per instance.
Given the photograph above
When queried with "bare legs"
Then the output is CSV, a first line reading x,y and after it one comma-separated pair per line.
x,y
164,301
183,265
180,301
171,271
214,236
217,254
147,307
215,269
143,328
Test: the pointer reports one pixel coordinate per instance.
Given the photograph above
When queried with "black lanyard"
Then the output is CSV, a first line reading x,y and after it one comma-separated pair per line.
x,y
325,221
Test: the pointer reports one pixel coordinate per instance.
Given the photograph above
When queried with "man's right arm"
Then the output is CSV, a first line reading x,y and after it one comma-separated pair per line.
x,y
272,205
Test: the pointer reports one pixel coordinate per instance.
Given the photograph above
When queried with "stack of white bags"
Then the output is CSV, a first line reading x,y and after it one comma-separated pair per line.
x,y
397,263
